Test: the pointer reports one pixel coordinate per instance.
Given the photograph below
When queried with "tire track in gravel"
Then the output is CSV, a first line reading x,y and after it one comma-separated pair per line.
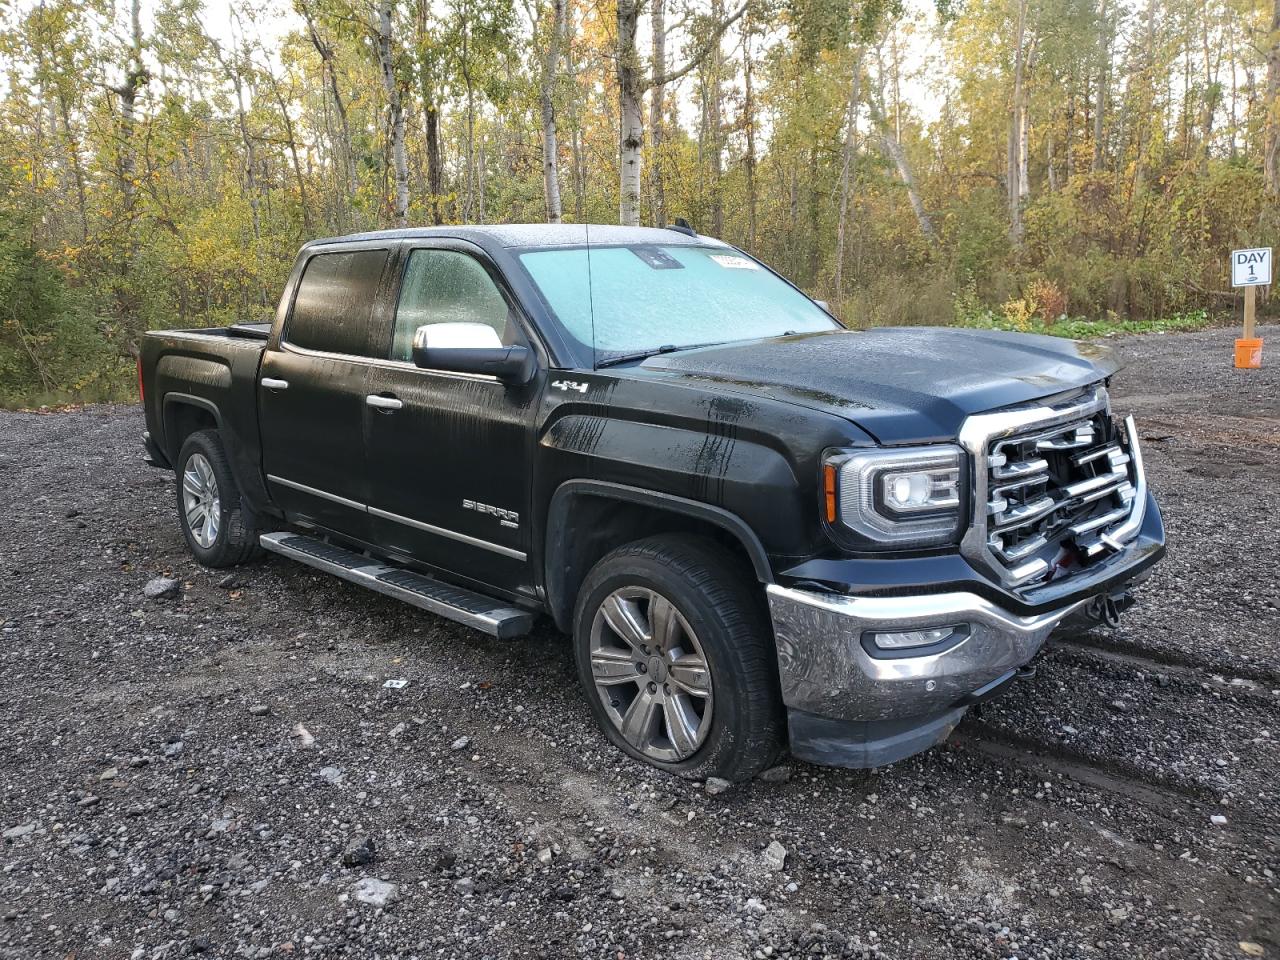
x,y
1150,781
1112,776
1217,671
1242,857
1138,837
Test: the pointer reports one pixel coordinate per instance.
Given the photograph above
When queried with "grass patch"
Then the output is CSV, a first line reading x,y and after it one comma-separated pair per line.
x,y
1083,328
56,399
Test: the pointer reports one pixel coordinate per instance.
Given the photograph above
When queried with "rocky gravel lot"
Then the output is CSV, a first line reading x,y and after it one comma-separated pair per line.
x,y
223,770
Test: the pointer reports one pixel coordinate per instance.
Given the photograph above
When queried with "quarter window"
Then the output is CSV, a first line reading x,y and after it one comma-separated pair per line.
x,y
445,286
334,303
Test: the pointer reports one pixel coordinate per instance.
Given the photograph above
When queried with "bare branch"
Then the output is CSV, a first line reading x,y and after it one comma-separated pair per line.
x,y
702,51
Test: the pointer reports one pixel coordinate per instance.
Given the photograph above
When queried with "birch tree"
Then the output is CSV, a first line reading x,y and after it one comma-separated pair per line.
x,y
547,86
395,114
633,81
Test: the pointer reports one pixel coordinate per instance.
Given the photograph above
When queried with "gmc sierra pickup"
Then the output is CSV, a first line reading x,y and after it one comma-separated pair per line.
x,y
756,526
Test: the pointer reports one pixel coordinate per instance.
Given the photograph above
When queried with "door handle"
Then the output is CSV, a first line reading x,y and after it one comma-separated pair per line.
x,y
271,383
383,403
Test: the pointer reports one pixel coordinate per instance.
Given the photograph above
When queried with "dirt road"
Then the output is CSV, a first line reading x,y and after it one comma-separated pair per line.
x,y
186,776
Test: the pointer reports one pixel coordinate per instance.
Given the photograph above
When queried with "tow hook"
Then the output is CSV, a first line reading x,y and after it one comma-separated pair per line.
x,y
1106,609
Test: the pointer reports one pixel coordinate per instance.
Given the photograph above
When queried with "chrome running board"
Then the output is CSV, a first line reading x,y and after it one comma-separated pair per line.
x,y
491,616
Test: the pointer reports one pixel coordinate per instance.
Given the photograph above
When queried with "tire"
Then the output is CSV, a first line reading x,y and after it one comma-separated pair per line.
x,y
715,616
213,519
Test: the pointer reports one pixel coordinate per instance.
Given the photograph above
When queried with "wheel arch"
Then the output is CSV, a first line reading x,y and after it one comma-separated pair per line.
x,y
182,415
588,518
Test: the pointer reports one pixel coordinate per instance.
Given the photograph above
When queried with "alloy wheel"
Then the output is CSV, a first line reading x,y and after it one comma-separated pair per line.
x,y
200,501
651,674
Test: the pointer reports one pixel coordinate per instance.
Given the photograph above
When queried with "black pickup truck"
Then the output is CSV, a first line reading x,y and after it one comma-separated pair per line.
x,y
756,525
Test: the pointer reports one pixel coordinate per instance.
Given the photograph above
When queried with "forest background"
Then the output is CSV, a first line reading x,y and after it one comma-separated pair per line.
x,y
1076,166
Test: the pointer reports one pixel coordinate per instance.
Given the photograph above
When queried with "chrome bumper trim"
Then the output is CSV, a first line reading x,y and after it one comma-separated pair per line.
x,y
825,670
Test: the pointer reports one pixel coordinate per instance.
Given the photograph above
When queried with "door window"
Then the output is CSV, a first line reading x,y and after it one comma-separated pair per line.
x,y
335,301
445,286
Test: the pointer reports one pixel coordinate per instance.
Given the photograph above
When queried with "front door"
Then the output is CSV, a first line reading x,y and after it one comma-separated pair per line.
x,y
449,453
312,389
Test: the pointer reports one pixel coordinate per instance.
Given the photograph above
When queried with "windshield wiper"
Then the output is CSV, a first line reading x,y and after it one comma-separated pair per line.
x,y
646,354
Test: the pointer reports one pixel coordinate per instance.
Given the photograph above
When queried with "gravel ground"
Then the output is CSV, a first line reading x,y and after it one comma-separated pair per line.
x,y
224,772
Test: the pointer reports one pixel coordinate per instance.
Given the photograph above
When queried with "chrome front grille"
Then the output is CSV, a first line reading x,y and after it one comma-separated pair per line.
x,y
1058,486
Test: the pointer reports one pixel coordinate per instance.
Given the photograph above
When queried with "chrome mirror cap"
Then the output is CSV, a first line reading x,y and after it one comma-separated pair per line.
x,y
456,336
471,348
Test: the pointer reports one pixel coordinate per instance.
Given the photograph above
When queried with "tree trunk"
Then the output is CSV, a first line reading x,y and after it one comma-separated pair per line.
x,y
631,88
631,128
395,120
749,125
1271,139
813,233
715,125
1210,85
1051,168
250,178
657,103
469,146
1024,140
846,168
329,68
292,144
899,157
1014,165
135,77
1145,111
435,173
550,78
577,159
430,113
77,168
1100,103
892,148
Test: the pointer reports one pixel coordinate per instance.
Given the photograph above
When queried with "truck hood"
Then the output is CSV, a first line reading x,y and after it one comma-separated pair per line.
x,y
899,384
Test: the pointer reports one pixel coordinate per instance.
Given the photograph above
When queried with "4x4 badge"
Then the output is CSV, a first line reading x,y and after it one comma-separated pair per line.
x,y
570,385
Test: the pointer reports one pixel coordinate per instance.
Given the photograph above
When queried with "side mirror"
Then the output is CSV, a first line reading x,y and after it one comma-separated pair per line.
x,y
471,348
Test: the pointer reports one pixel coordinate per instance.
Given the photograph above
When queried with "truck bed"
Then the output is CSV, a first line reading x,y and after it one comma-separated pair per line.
x,y
237,331
209,373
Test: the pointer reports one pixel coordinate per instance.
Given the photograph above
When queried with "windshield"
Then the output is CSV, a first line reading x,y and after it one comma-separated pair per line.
x,y
640,297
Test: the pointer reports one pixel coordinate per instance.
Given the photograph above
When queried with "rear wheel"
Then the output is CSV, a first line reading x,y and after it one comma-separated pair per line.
x,y
210,512
678,660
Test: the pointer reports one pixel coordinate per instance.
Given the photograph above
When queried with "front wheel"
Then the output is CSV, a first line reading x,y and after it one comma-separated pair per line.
x,y
213,519
678,660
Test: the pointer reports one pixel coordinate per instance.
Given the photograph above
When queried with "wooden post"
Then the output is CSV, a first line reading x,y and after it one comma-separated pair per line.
x,y
1250,297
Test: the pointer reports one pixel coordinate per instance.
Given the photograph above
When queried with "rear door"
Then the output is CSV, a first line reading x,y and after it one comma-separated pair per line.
x,y
449,455
312,389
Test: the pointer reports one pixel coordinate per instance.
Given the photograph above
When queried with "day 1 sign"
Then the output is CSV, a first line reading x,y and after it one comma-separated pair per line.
x,y
1251,268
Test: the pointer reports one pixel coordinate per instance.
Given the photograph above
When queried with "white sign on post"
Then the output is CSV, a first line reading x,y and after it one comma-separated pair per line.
x,y
1251,268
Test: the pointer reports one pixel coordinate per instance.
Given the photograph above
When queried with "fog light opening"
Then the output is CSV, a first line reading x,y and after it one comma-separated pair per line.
x,y
896,640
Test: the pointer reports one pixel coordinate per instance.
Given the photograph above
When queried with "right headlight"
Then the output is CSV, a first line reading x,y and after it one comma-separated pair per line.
x,y
902,497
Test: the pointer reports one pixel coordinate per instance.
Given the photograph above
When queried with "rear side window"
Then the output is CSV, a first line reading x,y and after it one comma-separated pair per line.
x,y
335,301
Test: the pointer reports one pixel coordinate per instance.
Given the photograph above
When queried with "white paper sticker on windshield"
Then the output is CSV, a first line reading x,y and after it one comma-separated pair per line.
x,y
734,263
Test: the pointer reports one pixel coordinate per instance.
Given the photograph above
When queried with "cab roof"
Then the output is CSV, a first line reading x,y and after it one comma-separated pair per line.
x,y
535,235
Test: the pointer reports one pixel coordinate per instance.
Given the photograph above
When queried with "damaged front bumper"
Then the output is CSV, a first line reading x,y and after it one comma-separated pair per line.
x,y
853,704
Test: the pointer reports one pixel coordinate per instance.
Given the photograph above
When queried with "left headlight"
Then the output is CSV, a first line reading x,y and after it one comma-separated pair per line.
x,y
903,497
